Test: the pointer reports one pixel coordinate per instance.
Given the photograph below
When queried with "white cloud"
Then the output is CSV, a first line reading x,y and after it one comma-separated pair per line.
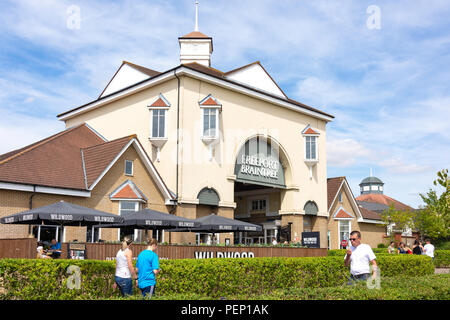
x,y
396,165
347,152
17,131
328,92
387,88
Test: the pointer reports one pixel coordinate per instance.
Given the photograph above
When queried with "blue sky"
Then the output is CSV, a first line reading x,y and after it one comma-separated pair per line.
x,y
388,87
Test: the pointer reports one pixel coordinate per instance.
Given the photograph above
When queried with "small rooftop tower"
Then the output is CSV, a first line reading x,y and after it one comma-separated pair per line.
x,y
371,185
195,46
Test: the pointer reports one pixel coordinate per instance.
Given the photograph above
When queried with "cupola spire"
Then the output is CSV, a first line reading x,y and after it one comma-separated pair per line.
x,y
196,15
195,46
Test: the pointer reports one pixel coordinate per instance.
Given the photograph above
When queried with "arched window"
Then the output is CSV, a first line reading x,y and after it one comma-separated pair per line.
x,y
208,196
311,208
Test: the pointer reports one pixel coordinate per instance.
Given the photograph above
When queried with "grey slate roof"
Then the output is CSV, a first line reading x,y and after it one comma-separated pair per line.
x,y
372,180
373,206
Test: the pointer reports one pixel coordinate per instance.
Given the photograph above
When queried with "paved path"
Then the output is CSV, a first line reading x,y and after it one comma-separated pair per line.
x,y
441,270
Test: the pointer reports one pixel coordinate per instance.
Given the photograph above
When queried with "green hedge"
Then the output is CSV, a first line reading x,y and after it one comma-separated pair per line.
x,y
341,252
47,279
431,287
441,257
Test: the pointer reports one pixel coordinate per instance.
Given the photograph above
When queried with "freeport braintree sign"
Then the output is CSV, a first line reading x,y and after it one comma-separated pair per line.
x,y
258,163
260,166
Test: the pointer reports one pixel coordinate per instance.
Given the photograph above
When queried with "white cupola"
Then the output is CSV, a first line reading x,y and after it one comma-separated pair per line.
x,y
195,46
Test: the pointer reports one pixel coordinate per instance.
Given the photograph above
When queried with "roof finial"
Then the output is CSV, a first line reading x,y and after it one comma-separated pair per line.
x,y
196,15
371,172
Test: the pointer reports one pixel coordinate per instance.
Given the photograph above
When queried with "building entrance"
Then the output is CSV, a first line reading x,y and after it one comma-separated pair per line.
x,y
260,179
47,233
258,205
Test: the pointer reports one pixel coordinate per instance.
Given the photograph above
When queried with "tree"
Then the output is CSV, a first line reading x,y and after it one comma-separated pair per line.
x,y
401,220
433,219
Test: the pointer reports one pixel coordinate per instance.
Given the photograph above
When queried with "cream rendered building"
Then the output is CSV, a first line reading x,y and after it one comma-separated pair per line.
x,y
230,143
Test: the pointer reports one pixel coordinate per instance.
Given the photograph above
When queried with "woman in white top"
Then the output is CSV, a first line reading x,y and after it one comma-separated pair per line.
x,y
124,268
40,251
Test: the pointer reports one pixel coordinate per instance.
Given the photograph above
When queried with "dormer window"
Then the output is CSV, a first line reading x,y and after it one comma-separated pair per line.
x,y
210,118
159,110
311,147
158,123
311,150
210,123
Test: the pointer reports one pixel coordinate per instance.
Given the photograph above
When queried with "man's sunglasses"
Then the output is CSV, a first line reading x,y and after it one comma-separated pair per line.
x,y
353,239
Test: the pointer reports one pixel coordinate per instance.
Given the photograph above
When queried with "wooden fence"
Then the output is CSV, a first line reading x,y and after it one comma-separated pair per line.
x,y
26,248
18,248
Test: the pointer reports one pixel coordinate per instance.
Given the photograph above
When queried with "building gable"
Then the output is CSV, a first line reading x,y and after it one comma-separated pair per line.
x,y
128,190
143,157
340,196
341,213
255,76
127,75
207,74
141,186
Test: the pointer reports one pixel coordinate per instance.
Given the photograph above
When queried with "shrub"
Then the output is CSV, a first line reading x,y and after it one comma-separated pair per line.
x,y
442,258
431,287
47,279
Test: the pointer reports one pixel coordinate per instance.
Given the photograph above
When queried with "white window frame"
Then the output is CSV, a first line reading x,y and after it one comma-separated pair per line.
x,y
132,168
339,231
152,113
136,208
316,158
217,110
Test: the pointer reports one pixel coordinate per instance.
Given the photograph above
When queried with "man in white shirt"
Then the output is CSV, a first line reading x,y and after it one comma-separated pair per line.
x,y
358,256
428,249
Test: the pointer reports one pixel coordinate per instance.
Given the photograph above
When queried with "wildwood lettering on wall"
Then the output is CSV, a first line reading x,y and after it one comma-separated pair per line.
x,y
108,251
218,254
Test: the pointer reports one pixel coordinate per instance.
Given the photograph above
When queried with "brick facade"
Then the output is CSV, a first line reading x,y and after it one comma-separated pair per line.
x,y
371,234
17,201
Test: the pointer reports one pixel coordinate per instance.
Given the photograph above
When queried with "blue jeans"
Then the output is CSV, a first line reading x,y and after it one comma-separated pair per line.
x,y
147,292
125,285
361,277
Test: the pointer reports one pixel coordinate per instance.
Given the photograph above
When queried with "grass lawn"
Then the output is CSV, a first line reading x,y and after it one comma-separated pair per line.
x,y
432,287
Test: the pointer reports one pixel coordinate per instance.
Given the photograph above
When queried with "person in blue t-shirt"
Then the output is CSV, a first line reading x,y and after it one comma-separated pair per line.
x,y
56,249
147,267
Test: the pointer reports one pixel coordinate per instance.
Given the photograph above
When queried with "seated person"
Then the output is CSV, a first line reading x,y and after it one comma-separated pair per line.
x,y
401,248
56,249
40,251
